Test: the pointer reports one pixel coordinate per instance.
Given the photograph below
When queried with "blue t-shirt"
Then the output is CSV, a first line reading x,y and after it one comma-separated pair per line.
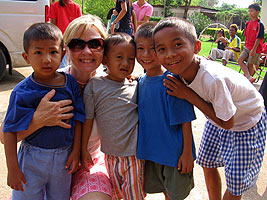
x,y
160,136
23,102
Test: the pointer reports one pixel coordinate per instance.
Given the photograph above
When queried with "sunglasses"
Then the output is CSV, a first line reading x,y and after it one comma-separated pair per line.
x,y
77,44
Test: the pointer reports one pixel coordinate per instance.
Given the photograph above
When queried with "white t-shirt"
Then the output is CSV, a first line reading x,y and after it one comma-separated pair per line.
x,y
230,93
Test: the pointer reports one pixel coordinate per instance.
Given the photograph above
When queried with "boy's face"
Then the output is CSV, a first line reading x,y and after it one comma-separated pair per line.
x,y
232,32
45,57
253,13
145,54
175,51
120,60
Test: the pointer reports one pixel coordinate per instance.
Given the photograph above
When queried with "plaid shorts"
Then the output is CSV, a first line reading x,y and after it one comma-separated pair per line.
x,y
240,152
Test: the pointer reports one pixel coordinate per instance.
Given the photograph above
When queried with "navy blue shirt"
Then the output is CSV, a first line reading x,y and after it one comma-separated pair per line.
x,y
24,100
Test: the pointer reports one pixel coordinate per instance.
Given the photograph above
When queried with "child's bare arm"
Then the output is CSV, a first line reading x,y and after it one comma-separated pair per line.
x,y
86,133
186,161
15,177
179,89
74,157
256,44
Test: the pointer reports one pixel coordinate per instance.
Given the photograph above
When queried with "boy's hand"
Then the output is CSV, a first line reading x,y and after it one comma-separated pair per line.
x,y
15,178
252,52
186,163
177,88
85,159
73,162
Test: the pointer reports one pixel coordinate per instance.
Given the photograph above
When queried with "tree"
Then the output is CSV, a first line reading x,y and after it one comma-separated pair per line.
x,y
200,21
99,8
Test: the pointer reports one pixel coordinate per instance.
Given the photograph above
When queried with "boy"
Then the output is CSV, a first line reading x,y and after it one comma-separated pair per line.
x,y
234,134
254,33
165,138
45,156
112,101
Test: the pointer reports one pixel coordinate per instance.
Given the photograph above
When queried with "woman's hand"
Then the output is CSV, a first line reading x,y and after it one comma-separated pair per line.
x,y
53,113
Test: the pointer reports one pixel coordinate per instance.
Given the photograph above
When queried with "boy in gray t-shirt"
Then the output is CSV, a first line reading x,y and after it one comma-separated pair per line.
x,y
112,101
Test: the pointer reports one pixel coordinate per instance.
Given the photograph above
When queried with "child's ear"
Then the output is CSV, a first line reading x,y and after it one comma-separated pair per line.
x,y
197,47
25,56
104,61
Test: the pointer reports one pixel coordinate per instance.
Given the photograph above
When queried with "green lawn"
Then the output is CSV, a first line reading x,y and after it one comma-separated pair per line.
x,y
206,47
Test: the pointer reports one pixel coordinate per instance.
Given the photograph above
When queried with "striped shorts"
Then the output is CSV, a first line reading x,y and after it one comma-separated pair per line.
x,y
240,152
127,176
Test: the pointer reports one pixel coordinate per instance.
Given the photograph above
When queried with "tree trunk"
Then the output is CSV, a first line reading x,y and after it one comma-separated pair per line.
x,y
187,6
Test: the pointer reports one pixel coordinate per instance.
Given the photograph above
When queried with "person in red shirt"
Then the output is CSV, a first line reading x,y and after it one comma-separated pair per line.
x,y
254,33
61,13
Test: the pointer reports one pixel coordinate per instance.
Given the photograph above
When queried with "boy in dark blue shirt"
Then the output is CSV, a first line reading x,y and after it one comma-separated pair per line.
x,y
43,157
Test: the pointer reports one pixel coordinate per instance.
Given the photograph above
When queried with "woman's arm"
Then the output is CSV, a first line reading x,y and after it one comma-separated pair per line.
x,y
47,114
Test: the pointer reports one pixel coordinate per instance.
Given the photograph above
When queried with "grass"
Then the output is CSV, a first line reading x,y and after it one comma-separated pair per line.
x,y
206,47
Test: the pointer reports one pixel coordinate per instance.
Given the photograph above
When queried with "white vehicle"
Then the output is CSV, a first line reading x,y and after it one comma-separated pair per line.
x,y
15,17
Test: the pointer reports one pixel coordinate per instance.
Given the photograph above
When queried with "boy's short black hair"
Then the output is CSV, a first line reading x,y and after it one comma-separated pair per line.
x,y
41,31
115,39
145,30
255,6
180,24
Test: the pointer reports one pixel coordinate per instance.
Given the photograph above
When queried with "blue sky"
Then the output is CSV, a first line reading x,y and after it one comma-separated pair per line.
x,y
239,3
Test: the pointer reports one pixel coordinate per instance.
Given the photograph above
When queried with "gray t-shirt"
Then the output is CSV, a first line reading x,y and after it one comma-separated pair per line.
x,y
114,106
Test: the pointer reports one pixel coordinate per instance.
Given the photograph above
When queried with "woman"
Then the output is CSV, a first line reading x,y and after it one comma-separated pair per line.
x,y
84,45
125,14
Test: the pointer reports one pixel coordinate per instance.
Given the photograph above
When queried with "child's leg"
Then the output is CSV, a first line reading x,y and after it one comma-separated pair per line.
x,y
210,158
32,162
243,155
59,182
213,183
126,174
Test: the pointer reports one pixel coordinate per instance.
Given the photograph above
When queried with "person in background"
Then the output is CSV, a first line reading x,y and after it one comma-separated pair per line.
x,y
232,50
143,11
221,44
61,13
125,16
254,32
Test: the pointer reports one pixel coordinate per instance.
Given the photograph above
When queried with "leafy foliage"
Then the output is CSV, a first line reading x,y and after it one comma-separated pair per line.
x,y
200,21
97,7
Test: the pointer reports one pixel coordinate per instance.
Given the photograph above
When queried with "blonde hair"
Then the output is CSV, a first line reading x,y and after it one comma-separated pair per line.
x,y
83,24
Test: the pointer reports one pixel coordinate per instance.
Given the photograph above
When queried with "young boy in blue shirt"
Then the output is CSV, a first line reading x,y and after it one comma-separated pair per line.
x,y
165,138
41,165
235,132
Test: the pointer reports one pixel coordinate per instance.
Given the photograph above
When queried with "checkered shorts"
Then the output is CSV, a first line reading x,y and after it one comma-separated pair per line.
x,y
241,153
